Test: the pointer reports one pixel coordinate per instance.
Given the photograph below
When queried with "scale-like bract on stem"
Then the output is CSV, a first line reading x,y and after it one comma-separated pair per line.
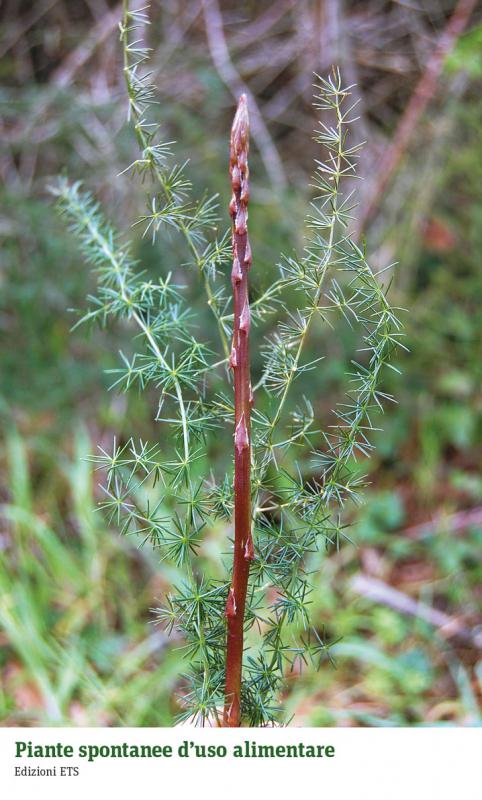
x,y
242,629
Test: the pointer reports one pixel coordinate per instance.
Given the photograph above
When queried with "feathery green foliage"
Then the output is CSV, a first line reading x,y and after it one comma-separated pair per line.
x,y
166,502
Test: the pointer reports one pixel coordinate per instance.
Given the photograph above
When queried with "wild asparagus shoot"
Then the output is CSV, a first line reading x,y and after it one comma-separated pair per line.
x,y
243,396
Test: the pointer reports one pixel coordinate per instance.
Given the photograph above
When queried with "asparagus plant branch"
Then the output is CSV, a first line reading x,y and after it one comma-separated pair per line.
x,y
134,55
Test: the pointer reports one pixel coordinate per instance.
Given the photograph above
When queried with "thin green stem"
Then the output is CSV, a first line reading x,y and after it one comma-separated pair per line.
x,y
316,299
143,143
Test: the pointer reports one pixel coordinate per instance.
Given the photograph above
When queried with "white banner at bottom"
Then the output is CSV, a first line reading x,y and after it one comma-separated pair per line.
x,y
376,764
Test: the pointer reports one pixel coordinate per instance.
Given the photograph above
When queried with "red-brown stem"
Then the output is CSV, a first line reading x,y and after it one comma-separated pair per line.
x,y
239,362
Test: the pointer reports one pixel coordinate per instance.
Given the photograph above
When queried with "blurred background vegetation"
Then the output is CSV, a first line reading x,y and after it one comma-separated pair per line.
x,y
77,644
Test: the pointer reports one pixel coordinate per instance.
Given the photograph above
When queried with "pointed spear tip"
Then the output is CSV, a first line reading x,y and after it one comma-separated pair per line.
x,y
240,129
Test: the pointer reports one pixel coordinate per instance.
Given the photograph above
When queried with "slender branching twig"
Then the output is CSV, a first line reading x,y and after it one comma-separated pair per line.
x,y
173,183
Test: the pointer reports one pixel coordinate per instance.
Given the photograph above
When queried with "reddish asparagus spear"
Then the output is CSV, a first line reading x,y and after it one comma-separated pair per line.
x,y
239,362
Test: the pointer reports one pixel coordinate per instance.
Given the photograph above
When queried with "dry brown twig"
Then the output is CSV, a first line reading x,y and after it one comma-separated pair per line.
x,y
80,55
14,35
62,77
459,521
380,592
422,94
